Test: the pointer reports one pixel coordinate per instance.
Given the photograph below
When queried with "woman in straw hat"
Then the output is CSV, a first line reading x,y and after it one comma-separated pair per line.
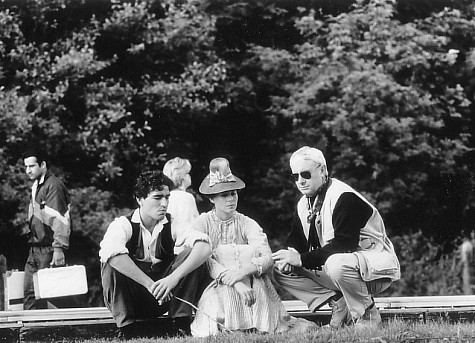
x,y
242,296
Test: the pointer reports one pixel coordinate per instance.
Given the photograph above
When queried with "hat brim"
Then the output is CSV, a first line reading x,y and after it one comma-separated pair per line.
x,y
220,187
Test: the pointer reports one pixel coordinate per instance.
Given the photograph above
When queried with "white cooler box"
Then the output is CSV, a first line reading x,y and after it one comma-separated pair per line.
x,y
60,282
13,282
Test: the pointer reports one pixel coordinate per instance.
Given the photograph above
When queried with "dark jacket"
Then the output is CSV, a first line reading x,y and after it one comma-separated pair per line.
x,y
48,213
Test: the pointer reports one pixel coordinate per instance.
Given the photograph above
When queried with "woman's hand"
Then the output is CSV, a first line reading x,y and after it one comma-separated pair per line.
x,y
246,292
231,276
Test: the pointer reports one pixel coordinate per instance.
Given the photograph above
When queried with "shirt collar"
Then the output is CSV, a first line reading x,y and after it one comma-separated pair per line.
x,y
136,219
40,181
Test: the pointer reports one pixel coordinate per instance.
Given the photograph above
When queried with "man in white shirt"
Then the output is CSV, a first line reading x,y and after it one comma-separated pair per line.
x,y
141,276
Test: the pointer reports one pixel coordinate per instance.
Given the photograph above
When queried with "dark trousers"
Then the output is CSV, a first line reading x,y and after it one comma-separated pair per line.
x,y
128,301
38,258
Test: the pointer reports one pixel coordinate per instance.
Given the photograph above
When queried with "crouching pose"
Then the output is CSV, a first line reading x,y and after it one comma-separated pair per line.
x,y
337,251
141,276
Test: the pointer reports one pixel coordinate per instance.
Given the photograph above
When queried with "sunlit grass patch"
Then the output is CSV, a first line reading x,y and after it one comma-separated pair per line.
x,y
392,331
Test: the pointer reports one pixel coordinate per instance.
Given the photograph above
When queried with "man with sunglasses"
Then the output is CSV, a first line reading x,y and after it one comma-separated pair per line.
x,y
337,250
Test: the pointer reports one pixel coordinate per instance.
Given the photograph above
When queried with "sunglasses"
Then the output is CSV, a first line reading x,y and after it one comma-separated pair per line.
x,y
305,175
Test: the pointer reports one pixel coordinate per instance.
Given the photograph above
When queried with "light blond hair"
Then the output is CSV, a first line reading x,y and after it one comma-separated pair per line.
x,y
176,169
310,154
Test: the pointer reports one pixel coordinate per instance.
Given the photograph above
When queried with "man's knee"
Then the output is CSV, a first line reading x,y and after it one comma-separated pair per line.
x,y
291,280
280,276
276,272
106,271
111,278
336,264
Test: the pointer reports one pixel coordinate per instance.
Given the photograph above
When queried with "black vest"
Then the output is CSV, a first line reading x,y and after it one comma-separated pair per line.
x,y
165,243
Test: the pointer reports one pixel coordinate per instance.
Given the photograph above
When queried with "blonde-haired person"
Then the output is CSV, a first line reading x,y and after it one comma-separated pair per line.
x,y
182,204
337,249
242,296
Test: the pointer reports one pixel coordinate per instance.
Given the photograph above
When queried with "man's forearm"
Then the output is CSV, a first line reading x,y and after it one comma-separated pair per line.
x,y
124,265
198,255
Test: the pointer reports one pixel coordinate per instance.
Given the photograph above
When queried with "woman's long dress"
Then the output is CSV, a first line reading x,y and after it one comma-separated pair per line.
x,y
237,242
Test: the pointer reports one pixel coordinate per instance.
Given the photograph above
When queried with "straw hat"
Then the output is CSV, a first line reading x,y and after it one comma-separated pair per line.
x,y
220,179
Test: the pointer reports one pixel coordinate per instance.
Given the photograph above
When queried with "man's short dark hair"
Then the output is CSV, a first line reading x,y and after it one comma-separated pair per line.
x,y
35,152
150,181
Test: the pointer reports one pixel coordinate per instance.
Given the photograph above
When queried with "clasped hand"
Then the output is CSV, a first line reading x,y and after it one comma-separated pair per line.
x,y
231,276
162,289
235,278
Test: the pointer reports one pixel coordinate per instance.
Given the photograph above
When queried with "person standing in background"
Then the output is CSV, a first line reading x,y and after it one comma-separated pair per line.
x,y
181,205
49,223
466,258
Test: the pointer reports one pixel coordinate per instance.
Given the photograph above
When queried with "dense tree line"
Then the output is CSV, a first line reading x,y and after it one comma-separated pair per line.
x,y
110,88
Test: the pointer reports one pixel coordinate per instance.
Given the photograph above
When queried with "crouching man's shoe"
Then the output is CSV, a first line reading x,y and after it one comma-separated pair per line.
x,y
370,319
340,313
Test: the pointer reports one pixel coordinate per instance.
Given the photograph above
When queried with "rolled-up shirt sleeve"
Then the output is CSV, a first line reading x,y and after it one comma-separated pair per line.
x,y
187,236
214,267
115,239
258,239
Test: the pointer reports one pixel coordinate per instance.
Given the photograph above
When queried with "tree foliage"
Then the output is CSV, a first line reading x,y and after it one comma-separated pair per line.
x,y
385,102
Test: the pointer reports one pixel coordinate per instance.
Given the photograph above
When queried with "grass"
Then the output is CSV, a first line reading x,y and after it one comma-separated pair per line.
x,y
393,331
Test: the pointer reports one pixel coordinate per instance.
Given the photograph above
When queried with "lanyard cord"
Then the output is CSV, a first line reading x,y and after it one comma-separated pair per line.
x,y
318,202
207,315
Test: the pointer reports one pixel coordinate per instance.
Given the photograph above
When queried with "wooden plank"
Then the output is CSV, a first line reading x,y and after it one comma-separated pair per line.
x,y
13,325
295,306
55,314
58,323
389,305
430,298
84,323
450,301
426,301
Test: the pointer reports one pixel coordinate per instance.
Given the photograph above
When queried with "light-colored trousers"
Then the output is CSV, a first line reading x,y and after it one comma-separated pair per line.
x,y
339,273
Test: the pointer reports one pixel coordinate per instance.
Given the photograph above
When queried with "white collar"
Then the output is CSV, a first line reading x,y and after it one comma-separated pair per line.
x,y
136,219
38,182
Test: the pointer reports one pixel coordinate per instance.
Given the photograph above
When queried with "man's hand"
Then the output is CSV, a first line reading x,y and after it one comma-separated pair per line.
x,y
246,292
58,258
285,257
162,288
231,276
285,268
